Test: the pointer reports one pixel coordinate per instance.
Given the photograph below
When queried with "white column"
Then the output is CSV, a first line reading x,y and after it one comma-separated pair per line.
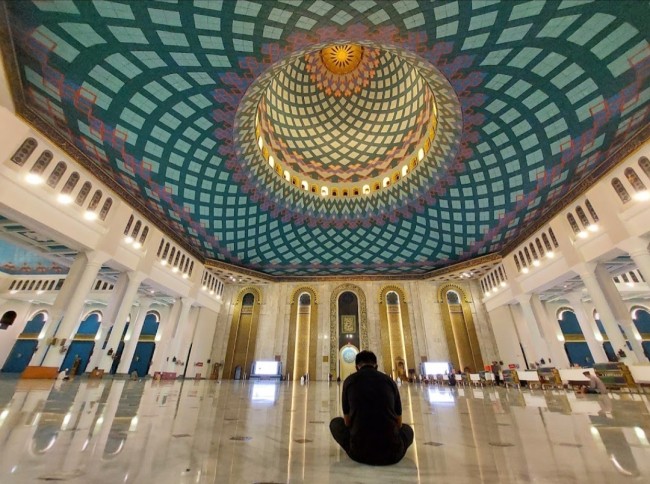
x,y
74,307
55,313
163,337
108,317
174,343
588,327
638,250
122,309
606,298
132,336
553,334
532,319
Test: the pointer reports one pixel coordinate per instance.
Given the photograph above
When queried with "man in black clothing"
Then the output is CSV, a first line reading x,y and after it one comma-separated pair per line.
x,y
371,430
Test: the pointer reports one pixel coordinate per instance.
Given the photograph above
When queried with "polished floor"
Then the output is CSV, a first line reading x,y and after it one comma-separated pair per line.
x,y
90,431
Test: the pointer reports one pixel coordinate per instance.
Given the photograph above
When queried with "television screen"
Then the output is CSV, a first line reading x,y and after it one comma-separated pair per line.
x,y
266,368
436,367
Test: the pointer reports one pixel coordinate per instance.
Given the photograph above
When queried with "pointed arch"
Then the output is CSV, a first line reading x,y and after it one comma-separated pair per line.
x,y
243,332
302,345
363,321
460,331
395,336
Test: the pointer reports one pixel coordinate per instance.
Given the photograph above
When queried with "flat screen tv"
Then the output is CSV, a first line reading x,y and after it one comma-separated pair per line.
x,y
266,369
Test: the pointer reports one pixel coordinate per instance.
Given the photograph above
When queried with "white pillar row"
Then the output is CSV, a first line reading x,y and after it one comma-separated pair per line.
x,y
163,336
185,337
638,250
108,317
174,342
132,336
553,334
121,308
588,327
533,318
56,311
523,336
75,305
606,297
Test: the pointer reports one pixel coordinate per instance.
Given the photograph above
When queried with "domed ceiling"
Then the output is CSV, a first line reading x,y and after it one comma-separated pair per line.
x,y
323,138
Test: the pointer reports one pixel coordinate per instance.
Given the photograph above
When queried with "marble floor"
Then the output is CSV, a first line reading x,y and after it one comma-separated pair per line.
x,y
115,431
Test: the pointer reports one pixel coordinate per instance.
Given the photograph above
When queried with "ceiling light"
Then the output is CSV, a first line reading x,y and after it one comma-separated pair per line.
x,y
13,291
504,283
524,270
211,293
137,245
163,262
185,276
642,196
593,228
33,179
40,291
550,254
204,288
128,239
64,199
174,269
629,284
260,142
536,263
90,215
487,293
583,234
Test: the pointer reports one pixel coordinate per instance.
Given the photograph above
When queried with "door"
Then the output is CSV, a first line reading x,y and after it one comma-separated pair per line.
x,y
20,356
81,349
142,358
117,357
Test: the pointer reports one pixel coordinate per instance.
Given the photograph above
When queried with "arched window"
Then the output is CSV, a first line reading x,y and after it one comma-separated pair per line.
x,y
305,299
634,180
248,299
517,262
620,190
572,222
103,213
583,217
71,183
127,229
42,163
83,193
24,152
94,201
644,164
7,319
592,212
55,177
392,298
452,297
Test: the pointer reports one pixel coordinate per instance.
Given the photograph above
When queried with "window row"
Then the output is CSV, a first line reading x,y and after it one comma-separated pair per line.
x,y
493,280
530,255
629,278
640,190
39,285
71,190
211,284
135,234
588,223
172,256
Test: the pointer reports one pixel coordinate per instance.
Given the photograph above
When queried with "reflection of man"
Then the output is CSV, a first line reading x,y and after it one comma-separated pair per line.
x,y
596,385
371,430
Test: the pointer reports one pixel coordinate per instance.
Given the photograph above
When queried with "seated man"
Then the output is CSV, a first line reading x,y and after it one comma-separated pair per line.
x,y
596,385
371,430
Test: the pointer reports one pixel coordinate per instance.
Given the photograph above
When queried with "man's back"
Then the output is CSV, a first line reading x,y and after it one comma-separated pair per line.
x,y
372,401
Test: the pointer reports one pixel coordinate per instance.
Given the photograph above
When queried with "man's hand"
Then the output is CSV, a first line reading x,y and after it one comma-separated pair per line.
x,y
346,419
399,421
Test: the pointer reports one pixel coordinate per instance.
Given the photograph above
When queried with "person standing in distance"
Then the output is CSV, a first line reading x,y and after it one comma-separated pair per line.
x,y
371,429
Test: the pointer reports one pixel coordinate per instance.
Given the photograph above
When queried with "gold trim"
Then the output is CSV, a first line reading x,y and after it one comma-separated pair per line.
x,y
341,58
313,332
387,357
363,322
251,337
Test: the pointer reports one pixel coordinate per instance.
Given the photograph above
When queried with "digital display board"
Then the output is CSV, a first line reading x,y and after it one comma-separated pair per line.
x,y
436,367
266,368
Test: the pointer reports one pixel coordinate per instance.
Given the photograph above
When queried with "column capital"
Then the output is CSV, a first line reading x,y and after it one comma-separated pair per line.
x,y
96,258
585,269
136,277
635,246
524,298
574,297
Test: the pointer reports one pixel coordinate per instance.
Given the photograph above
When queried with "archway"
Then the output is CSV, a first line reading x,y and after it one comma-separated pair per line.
x,y
243,334
348,323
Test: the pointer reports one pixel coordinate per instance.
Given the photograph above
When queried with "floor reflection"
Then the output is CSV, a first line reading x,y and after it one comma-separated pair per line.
x,y
182,432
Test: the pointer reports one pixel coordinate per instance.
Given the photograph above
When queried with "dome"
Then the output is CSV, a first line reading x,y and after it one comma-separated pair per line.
x,y
346,116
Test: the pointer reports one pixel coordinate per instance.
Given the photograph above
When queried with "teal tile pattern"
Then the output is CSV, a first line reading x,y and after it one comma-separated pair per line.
x,y
535,96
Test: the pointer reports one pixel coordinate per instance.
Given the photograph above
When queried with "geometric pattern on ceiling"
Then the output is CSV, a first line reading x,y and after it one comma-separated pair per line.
x,y
339,138
548,91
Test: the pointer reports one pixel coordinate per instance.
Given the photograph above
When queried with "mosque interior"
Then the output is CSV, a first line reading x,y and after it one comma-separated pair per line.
x,y
226,200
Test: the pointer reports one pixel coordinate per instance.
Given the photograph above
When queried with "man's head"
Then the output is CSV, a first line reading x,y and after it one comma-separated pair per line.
x,y
365,358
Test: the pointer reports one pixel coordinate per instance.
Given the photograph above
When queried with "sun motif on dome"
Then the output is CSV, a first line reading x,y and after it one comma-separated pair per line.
x,y
342,69
342,59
